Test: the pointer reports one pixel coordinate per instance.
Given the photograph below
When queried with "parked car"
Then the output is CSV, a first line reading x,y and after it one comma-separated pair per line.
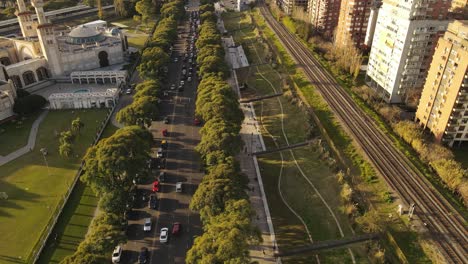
x,y
178,187
147,225
116,254
196,121
164,236
155,186
173,86
164,144
159,153
189,79
176,228
143,257
176,59
166,120
165,133
162,176
153,202
128,91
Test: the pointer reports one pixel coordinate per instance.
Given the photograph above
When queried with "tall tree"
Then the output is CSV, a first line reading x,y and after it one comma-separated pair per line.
x,y
99,8
146,9
152,60
116,161
120,9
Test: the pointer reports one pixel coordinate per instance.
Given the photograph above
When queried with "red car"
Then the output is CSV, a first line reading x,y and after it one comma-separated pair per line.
x,y
196,122
176,228
164,132
156,186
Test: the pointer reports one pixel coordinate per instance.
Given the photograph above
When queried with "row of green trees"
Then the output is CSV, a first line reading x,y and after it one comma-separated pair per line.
x,y
437,156
67,137
220,198
109,169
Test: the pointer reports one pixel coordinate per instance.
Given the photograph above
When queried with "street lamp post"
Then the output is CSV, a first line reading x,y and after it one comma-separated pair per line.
x,y
44,154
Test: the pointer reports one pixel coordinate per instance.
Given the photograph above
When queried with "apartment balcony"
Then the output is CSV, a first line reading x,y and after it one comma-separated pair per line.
x,y
461,99
463,92
450,130
458,107
455,116
453,123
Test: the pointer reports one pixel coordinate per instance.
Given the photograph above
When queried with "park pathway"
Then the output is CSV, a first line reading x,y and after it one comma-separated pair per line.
x,y
31,141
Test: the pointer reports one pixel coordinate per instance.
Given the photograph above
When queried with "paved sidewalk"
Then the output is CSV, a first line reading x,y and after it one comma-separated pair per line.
x,y
31,141
253,142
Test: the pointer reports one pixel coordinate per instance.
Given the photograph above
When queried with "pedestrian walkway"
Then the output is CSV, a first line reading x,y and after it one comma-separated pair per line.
x,y
31,141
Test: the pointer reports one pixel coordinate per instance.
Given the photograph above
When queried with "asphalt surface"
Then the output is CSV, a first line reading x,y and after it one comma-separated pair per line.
x,y
182,165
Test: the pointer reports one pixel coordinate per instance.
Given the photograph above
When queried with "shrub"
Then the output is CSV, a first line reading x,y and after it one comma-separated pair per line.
x,y
29,104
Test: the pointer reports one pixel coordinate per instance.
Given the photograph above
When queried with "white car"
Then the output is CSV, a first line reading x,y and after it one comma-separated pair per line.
x,y
147,225
178,187
163,237
116,254
159,154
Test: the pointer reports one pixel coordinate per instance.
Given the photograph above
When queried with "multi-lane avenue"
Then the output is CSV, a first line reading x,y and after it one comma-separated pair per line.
x,y
182,164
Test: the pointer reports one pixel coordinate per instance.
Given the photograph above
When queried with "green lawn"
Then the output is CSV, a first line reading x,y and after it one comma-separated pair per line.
x,y
14,134
296,190
73,224
34,191
137,41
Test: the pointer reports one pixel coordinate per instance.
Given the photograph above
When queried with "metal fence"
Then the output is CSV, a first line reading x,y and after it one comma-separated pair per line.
x,y
42,241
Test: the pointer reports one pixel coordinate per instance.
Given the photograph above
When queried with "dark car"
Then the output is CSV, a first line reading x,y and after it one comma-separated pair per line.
x,y
153,202
176,228
143,257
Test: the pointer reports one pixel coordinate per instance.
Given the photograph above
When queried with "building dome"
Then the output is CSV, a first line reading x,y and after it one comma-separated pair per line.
x,y
83,34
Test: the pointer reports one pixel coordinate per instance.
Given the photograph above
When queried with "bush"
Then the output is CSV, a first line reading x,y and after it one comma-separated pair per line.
x,y
21,93
29,104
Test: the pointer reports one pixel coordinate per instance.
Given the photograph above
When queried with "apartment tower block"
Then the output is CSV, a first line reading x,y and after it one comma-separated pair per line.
x,y
353,23
405,37
324,16
443,108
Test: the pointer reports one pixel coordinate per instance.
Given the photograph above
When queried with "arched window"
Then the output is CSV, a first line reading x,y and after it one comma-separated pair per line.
x,y
5,61
42,73
28,78
16,81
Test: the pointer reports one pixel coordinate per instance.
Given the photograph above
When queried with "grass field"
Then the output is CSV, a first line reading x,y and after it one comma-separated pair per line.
x,y
137,32
73,224
14,134
34,190
296,190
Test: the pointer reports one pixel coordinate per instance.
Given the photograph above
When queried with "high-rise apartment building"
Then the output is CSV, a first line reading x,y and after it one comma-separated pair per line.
x,y
404,40
353,22
289,5
459,9
443,108
324,15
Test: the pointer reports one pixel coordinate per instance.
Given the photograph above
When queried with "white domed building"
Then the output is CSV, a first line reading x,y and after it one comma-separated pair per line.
x,y
45,52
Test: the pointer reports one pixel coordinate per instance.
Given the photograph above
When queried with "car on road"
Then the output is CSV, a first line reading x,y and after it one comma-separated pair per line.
x,y
181,88
128,91
159,153
155,186
153,202
196,121
189,79
164,144
164,236
162,176
176,228
166,120
182,83
147,225
165,133
116,254
173,86
143,257
178,187
176,59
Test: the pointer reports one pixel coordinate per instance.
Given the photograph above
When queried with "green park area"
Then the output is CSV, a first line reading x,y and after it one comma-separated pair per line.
x,y
136,32
14,134
302,190
35,191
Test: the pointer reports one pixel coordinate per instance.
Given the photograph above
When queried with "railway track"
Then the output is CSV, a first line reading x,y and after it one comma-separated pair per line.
x,y
444,223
